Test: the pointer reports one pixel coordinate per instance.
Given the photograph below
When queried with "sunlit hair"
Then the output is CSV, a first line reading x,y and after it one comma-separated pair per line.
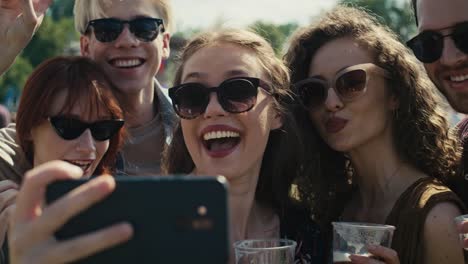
x,y
87,10
80,80
283,153
420,130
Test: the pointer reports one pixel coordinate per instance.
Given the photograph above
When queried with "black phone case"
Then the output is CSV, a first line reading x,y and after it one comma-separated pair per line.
x,y
176,219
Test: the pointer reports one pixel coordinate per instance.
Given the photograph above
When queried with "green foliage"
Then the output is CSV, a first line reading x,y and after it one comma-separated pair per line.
x,y
62,8
50,40
16,76
275,34
397,16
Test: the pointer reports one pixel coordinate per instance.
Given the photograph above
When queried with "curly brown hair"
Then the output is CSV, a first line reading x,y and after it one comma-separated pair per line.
x,y
283,155
421,133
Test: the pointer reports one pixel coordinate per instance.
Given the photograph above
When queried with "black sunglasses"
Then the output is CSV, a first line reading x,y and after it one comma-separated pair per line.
x,y
349,84
70,128
235,95
428,45
109,29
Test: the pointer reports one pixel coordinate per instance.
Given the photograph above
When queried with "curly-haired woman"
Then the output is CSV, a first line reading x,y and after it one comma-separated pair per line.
x,y
373,106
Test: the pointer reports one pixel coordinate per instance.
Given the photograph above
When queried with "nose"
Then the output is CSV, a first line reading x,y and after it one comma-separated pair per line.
x,y
126,39
333,102
86,142
214,109
451,55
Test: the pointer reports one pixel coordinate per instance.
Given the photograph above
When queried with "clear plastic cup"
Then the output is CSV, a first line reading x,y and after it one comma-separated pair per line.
x,y
265,251
458,220
351,238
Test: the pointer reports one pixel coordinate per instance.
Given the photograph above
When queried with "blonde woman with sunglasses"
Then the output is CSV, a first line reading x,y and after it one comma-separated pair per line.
x,y
387,149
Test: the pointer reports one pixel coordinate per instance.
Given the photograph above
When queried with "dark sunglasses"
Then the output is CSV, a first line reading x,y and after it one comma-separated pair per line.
x,y
70,128
349,84
109,29
429,45
235,95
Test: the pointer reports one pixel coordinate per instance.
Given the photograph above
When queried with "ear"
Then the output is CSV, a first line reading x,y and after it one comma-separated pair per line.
x,y
84,46
166,50
277,121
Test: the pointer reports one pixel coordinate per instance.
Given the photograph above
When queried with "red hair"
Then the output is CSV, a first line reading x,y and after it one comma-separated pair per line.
x,y
80,78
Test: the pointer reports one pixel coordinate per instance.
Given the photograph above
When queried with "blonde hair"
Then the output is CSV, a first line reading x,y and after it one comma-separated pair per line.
x,y
87,10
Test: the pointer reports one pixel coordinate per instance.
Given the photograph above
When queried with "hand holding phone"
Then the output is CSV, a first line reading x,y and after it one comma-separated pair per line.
x,y
31,236
176,219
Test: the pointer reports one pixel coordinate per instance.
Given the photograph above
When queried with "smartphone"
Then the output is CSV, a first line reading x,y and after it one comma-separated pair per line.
x,y
176,219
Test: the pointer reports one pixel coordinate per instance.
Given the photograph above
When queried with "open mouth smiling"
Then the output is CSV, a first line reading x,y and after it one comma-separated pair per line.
x,y
127,63
83,164
216,141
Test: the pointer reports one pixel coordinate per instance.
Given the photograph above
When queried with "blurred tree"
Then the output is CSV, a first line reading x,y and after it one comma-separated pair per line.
x,y
50,40
16,76
288,29
275,34
62,8
55,34
395,14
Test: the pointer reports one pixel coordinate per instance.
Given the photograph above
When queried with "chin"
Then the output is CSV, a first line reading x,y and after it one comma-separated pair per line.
x,y
459,104
215,171
339,146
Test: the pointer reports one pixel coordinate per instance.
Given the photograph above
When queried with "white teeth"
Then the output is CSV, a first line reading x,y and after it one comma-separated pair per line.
x,y
84,165
220,134
459,78
127,63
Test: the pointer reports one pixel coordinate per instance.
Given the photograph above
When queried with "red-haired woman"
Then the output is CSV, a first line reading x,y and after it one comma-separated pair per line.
x,y
67,112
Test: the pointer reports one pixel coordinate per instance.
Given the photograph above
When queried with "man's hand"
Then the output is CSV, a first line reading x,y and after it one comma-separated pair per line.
x,y
19,19
33,224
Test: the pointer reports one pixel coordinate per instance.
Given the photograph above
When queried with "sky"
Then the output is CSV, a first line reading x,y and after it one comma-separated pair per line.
x,y
205,13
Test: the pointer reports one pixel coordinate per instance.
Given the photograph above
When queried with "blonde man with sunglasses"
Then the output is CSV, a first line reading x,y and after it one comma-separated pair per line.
x,y
129,39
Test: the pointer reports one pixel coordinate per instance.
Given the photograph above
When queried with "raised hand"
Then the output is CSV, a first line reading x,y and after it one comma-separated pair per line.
x,y
32,225
19,19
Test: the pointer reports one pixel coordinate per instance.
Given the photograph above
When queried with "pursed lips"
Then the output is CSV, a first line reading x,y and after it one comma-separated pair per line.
x,y
335,124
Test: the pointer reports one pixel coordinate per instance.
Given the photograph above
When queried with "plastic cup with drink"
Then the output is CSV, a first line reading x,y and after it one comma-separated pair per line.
x,y
352,238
